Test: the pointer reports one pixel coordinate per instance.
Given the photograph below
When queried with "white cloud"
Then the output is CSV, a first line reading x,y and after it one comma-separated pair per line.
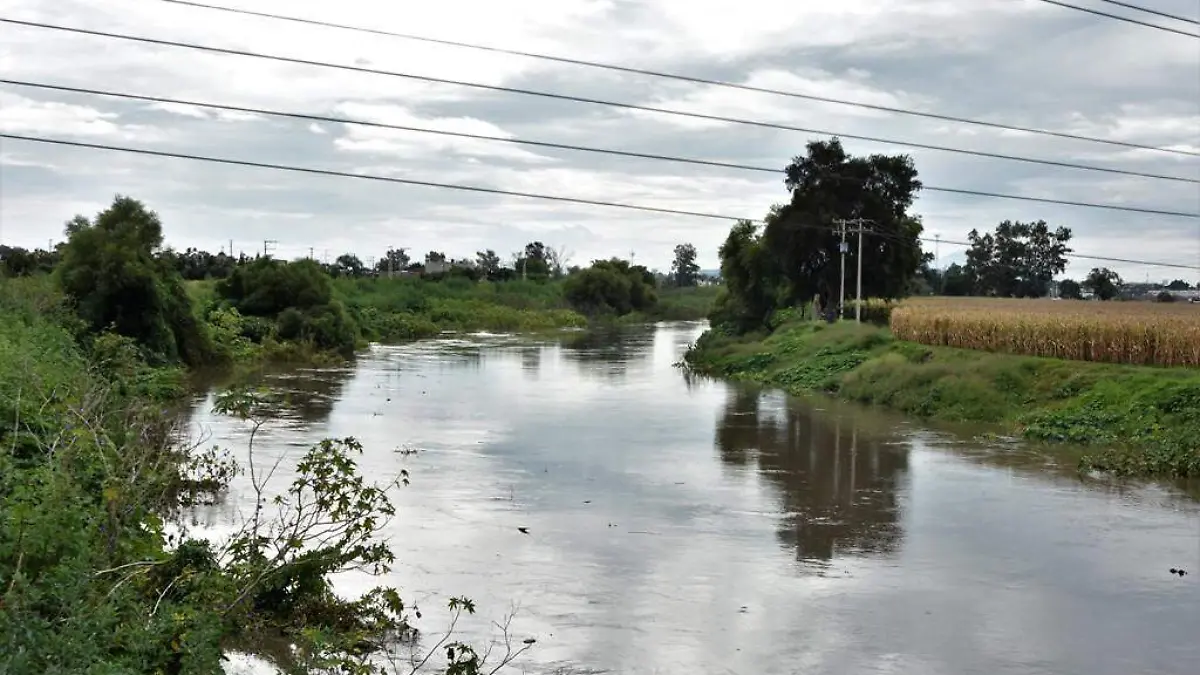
x,y
410,144
181,109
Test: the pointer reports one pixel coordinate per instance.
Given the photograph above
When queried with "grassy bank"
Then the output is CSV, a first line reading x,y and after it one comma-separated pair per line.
x,y
1141,421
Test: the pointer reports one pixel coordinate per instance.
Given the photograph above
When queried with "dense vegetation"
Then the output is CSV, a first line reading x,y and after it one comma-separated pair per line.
x,y
91,578
197,308
1141,421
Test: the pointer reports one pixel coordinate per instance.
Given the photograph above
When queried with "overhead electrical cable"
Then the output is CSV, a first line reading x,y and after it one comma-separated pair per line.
x,y
1118,17
475,189
578,99
682,78
1155,12
558,146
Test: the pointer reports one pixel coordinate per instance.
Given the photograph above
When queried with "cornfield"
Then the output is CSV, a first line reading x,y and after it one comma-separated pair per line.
x,y
1140,333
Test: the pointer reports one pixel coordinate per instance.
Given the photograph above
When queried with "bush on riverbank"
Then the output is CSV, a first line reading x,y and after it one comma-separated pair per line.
x,y
1143,421
392,310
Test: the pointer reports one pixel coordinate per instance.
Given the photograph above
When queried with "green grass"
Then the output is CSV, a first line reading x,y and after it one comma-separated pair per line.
x,y
1137,421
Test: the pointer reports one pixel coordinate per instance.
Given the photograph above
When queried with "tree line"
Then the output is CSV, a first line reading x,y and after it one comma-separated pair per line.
x,y
121,278
1020,260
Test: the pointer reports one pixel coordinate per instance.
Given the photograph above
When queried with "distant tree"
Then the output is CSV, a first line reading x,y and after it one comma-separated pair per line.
x,y
435,257
1179,285
1104,283
536,250
557,259
489,264
532,263
19,262
684,270
111,268
16,262
348,265
1164,296
956,281
1069,289
394,260
611,287
1017,260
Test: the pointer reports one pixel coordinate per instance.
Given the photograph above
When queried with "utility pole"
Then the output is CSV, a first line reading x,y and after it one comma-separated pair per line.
x,y
842,248
310,253
858,225
266,246
230,248
937,263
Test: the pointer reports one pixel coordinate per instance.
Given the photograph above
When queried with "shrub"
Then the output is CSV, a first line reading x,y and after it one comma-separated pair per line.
x,y
110,269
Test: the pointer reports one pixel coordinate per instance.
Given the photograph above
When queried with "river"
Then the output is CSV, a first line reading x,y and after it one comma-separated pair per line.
x,y
683,525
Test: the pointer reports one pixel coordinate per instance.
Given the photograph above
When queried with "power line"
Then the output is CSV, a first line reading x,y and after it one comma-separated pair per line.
x,y
559,146
681,78
579,99
1139,8
478,189
1118,17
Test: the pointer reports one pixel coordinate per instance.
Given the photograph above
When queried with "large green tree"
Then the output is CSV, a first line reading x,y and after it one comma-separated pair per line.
x,y
827,185
798,255
112,269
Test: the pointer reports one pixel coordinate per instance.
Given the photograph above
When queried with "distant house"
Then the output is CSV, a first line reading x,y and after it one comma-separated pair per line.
x,y
437,266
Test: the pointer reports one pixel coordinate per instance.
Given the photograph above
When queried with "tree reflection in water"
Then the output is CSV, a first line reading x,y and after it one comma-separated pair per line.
x,y
838,482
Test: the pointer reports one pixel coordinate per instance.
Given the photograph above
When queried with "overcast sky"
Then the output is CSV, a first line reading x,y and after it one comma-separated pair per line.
x,y
1019,62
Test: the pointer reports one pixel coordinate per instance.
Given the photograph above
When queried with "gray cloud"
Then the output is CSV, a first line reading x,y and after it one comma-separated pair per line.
x,y
1025,63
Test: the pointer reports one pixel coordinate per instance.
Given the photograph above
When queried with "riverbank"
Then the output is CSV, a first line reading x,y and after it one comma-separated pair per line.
x,y
1140,421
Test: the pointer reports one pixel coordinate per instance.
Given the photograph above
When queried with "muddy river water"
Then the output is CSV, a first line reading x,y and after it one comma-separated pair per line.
x,y
682,525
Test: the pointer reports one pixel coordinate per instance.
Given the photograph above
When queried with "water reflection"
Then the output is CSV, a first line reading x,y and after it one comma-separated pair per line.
x,y
609,352
838,487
